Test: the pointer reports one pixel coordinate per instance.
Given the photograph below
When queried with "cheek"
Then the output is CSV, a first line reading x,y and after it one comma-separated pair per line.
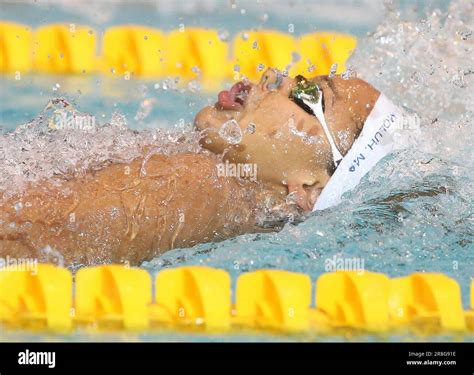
x,y
270,117
219,135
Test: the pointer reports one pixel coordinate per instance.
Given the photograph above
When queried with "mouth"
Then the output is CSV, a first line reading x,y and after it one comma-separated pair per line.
x,y
233,99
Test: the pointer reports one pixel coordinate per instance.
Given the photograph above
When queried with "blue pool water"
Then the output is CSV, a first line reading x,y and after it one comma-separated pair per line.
x,y
423,64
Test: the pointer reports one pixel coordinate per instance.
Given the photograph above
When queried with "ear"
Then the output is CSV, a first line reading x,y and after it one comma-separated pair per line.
x,y
306,196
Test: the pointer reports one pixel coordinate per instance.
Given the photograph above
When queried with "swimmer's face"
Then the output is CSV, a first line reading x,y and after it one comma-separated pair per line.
x,y
259,124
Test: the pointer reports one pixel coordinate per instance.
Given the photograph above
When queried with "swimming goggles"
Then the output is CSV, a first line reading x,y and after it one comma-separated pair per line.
x,y
309,97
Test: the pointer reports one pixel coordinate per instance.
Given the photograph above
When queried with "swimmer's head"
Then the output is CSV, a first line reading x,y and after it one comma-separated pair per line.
x,y
261,124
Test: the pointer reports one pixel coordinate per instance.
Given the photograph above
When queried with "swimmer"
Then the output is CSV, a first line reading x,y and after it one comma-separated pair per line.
x,y
136,211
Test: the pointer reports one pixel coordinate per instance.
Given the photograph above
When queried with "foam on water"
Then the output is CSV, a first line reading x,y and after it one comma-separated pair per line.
x,y
42,149
427,67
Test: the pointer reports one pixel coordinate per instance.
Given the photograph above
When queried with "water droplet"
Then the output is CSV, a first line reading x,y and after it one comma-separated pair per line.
x,y
333,70
52,256
231,132
118,119
458,80
291,198
349,73
465,35
254,45
244,36
146,106
251,128
194,86
196,70
199,321
417,78
423,26
295,57
223,35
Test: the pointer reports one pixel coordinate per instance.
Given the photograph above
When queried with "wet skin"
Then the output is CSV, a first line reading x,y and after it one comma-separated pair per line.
x,y
118,214
288,144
